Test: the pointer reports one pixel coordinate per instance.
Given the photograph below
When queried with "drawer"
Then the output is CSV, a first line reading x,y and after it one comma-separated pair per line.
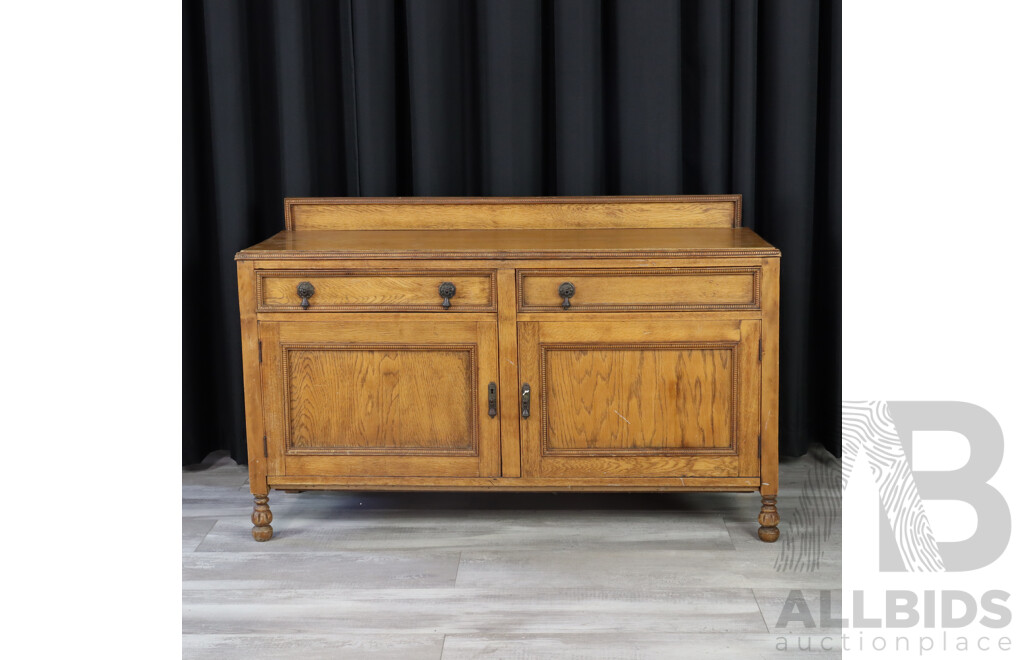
x,y
661,289
374,290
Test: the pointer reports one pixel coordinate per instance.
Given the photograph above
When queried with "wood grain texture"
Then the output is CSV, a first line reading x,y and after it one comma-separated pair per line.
x,y
508,368
275,411
628,316
659,289
253,391
645,398
385,399
473,263
377,398
634,399
357,290
769,413
354,317
446,213
547,484
510,244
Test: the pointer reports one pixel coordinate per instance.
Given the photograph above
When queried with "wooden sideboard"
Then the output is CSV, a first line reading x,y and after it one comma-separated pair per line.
x,y
534,343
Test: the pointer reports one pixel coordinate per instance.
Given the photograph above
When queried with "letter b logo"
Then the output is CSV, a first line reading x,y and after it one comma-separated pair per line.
x,y
882,431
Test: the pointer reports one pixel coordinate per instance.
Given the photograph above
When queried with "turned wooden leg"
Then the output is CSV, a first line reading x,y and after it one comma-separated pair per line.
x,y
769,519
261,517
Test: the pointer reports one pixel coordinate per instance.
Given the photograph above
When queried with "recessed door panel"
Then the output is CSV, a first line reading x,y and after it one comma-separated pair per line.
x,y
645,399
377,398
662,398
380,399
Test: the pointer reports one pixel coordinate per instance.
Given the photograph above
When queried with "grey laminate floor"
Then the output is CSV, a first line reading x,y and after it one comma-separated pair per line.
x,y
506,575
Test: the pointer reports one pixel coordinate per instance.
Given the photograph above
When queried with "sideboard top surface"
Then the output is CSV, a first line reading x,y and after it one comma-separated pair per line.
x,y
510,244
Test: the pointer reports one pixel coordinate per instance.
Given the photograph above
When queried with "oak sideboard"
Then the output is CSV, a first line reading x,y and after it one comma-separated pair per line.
x,y
523,344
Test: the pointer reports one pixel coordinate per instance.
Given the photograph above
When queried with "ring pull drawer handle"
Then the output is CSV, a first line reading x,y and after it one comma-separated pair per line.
x,y
305,291
566,290
447,291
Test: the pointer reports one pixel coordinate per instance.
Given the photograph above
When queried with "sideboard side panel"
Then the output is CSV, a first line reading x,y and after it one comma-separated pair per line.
x,y
254,431
770,379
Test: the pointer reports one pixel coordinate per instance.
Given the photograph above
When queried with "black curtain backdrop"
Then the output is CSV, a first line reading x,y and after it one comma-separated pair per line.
x,y
511,97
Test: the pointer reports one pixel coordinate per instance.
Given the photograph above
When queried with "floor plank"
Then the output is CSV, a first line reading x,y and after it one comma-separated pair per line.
x,y
618,646
450,610
637,568
312,647
342,570
193,531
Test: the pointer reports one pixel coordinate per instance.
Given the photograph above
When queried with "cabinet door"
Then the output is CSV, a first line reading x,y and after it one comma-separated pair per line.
x,y
641,398
380,398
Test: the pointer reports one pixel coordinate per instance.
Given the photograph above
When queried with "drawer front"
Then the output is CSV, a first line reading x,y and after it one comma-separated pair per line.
x,y
660,289
361,290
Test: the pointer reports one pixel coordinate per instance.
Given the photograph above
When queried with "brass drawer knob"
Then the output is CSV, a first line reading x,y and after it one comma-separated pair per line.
x,y
566,290
305,291
447,291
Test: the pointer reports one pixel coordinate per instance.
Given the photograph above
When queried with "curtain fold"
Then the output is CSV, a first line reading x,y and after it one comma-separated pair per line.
x,y
510,97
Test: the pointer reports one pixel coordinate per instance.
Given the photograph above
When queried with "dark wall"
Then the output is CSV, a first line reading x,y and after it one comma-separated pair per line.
x,y
510,97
